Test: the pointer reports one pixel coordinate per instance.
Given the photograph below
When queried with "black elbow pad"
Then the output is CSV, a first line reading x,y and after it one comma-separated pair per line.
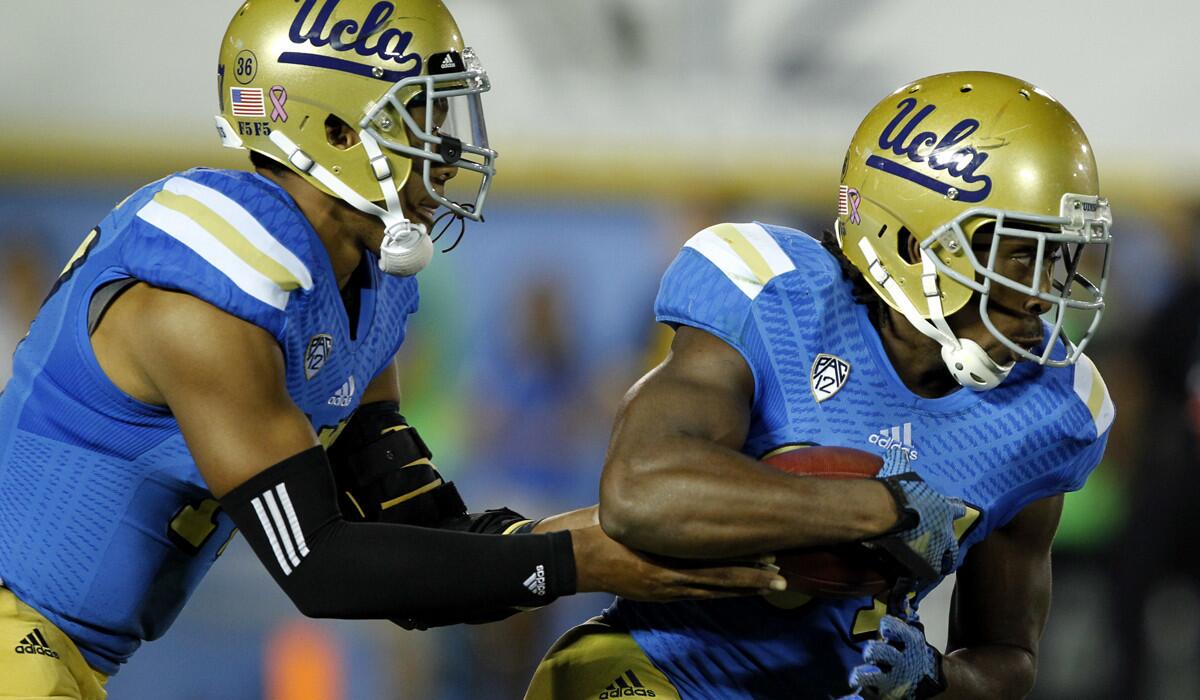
x,y
383,472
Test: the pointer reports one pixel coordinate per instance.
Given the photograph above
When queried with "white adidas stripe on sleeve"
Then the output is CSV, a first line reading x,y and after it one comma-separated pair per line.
x,y
281,528
270,532
293,520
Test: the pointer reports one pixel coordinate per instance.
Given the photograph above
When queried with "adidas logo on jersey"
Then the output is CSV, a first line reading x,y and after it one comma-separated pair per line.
x,y
627,685
536,583
896,436
35,643
343,396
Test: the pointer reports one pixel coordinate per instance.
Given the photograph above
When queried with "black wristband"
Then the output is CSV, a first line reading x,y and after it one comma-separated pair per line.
x,y
909,518
932,686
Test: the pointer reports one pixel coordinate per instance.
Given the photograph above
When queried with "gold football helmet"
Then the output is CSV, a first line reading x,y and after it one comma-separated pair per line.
x,y
939,159
396,72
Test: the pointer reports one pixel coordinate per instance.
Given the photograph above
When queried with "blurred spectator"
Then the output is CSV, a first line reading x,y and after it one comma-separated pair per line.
x,y
1156,562
535,420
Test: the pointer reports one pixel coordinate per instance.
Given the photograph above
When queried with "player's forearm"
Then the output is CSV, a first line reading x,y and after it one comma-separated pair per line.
x,y
990,672
333,568
571,520
689,497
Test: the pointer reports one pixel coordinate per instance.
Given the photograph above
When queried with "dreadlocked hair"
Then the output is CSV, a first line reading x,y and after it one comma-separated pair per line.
x,y
861,290
262,162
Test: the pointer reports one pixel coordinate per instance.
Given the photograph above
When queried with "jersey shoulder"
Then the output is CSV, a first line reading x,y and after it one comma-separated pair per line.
x,y
231,238
722,271
1082,388
1090,389
1074,410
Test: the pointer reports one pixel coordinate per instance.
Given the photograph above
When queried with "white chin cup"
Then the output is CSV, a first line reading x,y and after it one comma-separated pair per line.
x,y
972,367
406,249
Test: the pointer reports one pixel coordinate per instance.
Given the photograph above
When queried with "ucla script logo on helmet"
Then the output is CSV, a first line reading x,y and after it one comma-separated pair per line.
x,y
366,37
960,163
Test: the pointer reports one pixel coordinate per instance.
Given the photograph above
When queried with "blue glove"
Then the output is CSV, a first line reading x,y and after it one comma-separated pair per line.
x,y
923,542
900,665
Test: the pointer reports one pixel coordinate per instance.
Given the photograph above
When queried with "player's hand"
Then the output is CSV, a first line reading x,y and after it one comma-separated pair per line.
x,y
900,665
603,564
923,541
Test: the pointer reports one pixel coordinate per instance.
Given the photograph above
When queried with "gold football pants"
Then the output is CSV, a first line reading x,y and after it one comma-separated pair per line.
x,y
38,661
596,661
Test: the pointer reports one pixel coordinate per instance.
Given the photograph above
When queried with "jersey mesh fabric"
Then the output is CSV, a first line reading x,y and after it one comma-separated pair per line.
x,y
1030,438
91,480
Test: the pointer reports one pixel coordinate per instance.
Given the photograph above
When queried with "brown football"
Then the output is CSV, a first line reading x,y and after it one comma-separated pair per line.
x,y
837,571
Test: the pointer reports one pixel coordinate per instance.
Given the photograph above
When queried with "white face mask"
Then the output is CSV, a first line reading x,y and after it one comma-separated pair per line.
x,y
1082,229
460,141
1084,224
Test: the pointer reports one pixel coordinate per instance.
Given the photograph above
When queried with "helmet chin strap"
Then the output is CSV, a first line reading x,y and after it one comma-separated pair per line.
x,y
406,247
968,363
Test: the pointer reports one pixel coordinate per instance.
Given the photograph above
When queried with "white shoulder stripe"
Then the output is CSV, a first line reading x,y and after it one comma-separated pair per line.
x,y
270,531
1090,388
768,247
194,236
745,253
245,223
720,254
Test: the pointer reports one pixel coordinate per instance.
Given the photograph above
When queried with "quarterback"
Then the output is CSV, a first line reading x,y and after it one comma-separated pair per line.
x,y
929,326
219,330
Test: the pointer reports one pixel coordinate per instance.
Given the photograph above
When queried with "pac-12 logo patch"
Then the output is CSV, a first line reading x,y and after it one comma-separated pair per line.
x,y
318,351
828,376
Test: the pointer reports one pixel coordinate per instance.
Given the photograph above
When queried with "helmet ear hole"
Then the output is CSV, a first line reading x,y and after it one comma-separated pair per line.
x,y
339,134
907,246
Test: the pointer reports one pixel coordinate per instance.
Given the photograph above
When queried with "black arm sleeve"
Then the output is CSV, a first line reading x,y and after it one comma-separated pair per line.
x,y
333,568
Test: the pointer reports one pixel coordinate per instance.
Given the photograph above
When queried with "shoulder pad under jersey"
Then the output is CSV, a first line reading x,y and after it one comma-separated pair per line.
x,y
715,279
229,238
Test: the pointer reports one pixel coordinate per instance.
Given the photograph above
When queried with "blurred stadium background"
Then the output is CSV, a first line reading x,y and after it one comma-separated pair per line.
x,y
624,126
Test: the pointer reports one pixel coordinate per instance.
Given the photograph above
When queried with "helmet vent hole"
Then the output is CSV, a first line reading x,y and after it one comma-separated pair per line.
x,y
1023,93
913,89
882,231
966,88
905,245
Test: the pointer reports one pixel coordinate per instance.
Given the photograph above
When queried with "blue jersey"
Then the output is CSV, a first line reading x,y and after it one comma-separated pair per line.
x,y
106,527
821,376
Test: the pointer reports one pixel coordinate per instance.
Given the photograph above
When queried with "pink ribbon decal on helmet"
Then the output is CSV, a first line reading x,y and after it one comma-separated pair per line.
x,y
278,100
848,201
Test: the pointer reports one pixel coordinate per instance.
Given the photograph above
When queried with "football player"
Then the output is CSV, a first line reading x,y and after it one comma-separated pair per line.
x,y
969,212
219,329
